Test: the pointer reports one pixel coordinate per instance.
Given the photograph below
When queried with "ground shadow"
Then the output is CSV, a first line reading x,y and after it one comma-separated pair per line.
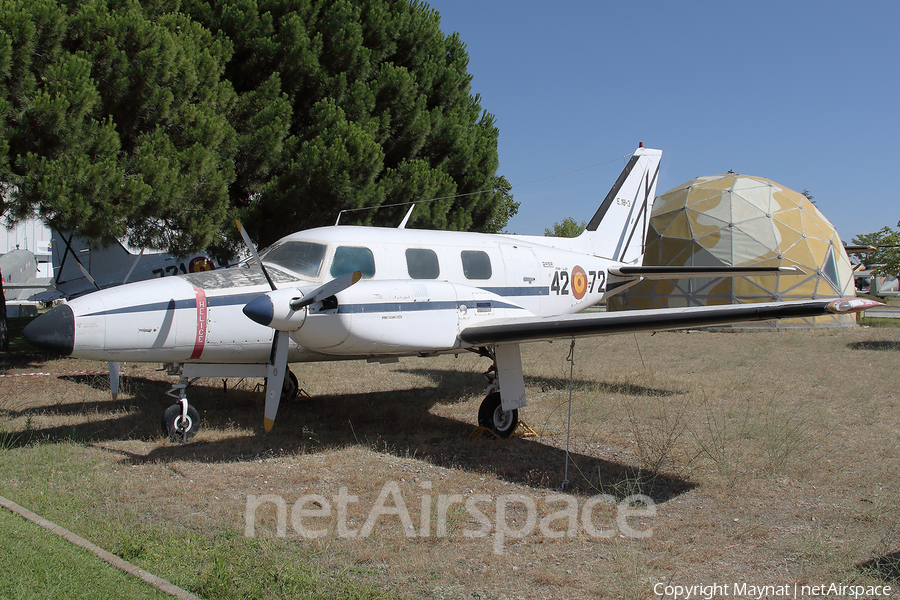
x,y
396,422
554,383
886,568
16,359
895,346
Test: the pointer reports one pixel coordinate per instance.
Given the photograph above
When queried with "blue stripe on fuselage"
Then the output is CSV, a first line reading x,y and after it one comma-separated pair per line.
x,y
211,301
242,299
378,307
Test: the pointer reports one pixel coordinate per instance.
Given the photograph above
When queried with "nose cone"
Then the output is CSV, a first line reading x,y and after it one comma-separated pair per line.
x,y
53,331
261,310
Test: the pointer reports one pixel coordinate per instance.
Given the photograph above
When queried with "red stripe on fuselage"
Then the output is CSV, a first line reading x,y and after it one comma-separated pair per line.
x,y
200,342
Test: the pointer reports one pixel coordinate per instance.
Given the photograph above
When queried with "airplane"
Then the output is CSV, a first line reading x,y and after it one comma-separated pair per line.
x,y
19,270
80,268
373,293
20,282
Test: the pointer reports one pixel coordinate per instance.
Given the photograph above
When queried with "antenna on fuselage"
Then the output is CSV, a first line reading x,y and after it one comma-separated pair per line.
x,y
406,218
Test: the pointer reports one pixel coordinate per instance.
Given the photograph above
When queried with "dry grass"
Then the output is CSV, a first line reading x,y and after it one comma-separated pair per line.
x,y
770,457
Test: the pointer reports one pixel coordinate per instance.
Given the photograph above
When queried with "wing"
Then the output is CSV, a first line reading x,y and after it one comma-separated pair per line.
x,y
524,329
676,272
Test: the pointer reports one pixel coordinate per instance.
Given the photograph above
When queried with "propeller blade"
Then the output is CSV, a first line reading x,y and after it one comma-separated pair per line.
x,y
275,378
252,248
329,289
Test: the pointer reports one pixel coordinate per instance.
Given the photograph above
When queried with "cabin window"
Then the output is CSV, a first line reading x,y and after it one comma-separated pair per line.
x,y
476,264
303,258
353,258
422,263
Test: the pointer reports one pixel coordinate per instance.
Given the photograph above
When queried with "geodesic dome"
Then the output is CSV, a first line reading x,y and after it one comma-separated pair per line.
x,y
740,220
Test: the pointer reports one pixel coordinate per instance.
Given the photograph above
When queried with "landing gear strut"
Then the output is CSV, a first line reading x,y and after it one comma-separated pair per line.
x,y
290,389
181,420
491,414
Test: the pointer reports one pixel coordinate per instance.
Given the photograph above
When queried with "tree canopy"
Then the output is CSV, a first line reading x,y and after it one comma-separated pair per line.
x,y
568,227
156,121
887,254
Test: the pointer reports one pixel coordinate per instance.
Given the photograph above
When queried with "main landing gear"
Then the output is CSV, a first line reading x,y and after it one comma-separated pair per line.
x,y
181,421
491,414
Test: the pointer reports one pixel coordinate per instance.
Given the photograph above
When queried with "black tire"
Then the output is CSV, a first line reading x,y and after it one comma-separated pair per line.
x,y
290,389
172,426
492,416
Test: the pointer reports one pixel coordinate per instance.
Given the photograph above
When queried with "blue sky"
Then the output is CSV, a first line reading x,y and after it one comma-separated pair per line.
x,y
804,93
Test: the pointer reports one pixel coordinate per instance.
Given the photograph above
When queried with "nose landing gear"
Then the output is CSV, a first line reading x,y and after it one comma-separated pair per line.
x,y
181,420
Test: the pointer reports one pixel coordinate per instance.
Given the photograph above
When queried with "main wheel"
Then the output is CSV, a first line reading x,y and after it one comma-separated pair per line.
x,y
291,386
178,429
492,416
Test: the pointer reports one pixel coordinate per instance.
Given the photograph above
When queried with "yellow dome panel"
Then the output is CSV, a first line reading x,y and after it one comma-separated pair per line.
x,y
740,220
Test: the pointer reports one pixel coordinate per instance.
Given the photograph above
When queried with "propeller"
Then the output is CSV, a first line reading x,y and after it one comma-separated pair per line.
x,y
329,289
263,310
280,309
278,357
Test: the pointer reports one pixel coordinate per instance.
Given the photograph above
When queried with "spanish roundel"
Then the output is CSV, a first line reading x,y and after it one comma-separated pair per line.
x,y
200,263
579,282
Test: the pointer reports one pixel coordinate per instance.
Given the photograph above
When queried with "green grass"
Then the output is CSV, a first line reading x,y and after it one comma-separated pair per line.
x,y
58,482
38,564
879,321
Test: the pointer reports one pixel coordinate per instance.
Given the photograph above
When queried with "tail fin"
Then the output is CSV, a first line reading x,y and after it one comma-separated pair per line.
x,y
102,264
618,230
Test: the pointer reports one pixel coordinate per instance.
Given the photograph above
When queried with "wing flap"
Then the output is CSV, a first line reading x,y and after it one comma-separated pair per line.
x,y
584,325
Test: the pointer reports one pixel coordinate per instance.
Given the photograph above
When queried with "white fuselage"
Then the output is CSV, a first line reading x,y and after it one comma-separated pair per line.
x,y
419,288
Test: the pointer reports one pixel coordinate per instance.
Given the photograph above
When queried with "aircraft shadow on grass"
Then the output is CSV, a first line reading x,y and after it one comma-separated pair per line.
x,y
396,422
549,383
886,567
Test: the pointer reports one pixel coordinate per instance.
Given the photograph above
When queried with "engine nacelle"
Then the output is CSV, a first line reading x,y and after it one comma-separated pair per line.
x,y
396,317
273,309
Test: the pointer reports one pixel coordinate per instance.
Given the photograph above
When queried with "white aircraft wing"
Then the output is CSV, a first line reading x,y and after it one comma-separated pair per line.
x,y
525,329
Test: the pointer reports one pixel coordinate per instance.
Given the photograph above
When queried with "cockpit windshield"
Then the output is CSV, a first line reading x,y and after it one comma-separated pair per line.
x,y
303,258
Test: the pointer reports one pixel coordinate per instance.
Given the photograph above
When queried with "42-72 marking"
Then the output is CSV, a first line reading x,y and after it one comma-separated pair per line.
x,y
580,282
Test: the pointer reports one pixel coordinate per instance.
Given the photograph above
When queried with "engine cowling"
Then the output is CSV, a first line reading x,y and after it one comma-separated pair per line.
x,y
397,317
273,309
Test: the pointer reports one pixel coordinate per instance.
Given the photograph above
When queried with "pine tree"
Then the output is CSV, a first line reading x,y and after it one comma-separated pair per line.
x,y
154,121
380,113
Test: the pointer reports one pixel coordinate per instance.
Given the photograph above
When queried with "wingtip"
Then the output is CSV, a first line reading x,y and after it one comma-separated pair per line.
x,y
851,305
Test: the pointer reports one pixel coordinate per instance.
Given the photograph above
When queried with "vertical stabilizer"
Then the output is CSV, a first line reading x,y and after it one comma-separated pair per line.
x,y
618,230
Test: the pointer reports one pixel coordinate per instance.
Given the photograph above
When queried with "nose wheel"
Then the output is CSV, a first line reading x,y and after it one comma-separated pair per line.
x,y
180,427
181,420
